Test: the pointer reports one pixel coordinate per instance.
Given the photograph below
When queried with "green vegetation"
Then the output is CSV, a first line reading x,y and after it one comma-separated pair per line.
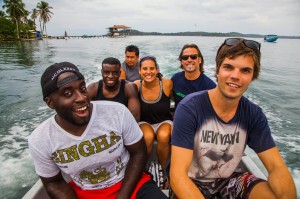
x,y
18,23
200,33
44,13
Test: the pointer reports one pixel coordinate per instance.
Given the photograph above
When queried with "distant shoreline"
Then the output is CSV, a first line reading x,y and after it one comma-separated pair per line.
x,y
172,34
209,34
133,32
139,33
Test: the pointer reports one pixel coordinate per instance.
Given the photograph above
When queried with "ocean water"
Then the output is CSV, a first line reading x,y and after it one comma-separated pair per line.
x,y
22,108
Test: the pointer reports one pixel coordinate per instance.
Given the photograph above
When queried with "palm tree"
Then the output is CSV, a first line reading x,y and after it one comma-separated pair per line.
x,y
25,25
16,11
2,14
44,13
34,15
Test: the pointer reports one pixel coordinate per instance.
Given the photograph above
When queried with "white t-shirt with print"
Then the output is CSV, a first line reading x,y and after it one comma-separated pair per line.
x,y
95,160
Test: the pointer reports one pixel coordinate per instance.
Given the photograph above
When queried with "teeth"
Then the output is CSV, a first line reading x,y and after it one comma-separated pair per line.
x,y
81,109
233,85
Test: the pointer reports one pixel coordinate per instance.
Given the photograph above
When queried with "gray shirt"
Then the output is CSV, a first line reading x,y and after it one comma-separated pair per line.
x,y
132,74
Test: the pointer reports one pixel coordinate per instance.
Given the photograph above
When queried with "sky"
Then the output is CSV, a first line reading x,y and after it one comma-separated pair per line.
x,y
93,17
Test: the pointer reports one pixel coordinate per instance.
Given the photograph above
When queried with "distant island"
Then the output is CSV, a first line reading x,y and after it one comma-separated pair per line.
x,y
133,32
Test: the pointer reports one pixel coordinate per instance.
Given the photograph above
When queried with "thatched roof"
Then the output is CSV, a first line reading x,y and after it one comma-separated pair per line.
x,y
119,27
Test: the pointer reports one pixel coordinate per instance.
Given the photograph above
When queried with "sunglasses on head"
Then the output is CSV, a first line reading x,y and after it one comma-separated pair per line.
x,y
148,57
254,45
186,57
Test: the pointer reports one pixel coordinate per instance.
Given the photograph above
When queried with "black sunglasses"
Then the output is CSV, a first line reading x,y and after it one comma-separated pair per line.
x,y
254,45
186,57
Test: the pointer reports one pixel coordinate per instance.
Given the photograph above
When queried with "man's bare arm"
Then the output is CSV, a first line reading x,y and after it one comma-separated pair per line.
x,y
57,187
280,181
92,90
133,100
123,74
181,184
134,169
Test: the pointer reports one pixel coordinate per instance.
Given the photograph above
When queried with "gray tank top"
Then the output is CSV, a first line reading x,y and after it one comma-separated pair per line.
x,y
132,74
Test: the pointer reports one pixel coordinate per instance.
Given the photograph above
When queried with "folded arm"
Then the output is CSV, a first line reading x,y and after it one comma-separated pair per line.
x,y
57,187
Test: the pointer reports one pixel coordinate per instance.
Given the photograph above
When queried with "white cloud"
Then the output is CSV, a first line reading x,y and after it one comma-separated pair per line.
x,y
92,17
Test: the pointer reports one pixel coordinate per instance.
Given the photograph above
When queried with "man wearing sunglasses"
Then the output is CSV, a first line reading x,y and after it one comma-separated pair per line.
x,y
212,128
192,78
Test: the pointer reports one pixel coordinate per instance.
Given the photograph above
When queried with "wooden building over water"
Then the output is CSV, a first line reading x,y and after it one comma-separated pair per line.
x,y
118,31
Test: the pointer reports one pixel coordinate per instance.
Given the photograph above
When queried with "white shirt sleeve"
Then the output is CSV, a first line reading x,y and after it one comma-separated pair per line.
x,y
130,128
41,153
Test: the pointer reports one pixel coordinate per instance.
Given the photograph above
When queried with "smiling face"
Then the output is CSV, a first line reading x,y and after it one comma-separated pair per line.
x,y
110,75
148,70
71,102
234,76
190,65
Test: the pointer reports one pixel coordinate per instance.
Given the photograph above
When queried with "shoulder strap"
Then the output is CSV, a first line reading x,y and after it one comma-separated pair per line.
x,y
99,91
122,87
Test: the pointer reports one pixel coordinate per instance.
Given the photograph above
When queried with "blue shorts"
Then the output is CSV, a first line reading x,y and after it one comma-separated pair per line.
x,y
238,185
